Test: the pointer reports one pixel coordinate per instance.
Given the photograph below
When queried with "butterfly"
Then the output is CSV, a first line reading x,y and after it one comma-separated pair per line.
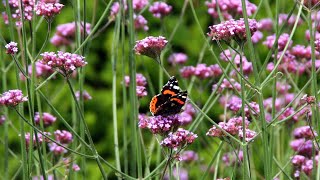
x,y
170,101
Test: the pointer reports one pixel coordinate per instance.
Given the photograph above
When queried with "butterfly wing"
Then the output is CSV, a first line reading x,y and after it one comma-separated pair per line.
x,y
171,106
171,88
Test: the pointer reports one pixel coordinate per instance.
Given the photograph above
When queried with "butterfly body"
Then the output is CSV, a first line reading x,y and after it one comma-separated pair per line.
x,y
170,101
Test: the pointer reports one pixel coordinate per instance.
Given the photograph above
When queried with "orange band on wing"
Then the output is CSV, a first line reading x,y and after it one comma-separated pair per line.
x,y
169,92
152,106
177,100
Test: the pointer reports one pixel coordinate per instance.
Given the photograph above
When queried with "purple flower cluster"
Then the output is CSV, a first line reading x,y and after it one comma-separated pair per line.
x,y
150,46
230,158
64,61
86,96
265,24
41,139
283,18
304,148
140,22
317,44
229,8
186,116
41,70
65,33
226,84
46,118
233,127
228,55
188,156
28,8
12,98
234,103
141,83
2,119
282,41
160,9
48,9
11,48
64,137
201,71
177,58
232,29
180,138
159,124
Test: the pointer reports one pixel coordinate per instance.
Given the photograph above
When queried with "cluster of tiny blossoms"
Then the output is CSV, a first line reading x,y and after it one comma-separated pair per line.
x,y
304,148
232,56
11,48
233,127
201,71
160,9
150,46
232,29
180,138
64,61
141,83
40,139
46,118
28,8
177,58
229,9
41,70
64,137
12,98
65,33
230,158
48,9
86,96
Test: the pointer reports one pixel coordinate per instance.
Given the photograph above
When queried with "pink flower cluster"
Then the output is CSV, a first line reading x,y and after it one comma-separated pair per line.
x,y
265,24
141,83
304,148
11,48
232,56
86,96
234,103
233,127
65,33
188,156
41,70
160,9
177,58
64,137
48,9
159,124
201,71
180,138
12,98
232,29
64,61
230,158
283,18
28,7
46,118
2,119
150,46
229,8
227,85
186,116
41,139
140,22
282,41
317,44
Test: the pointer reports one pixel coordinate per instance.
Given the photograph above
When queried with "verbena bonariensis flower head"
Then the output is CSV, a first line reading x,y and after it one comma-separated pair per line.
x,y
65,33
249,134
138,5
28,9
283,17
304,132
56,149
265,24
230,158
11,48
232,29
141,91
177,58
317,44
188,156
2,119
48,9
12,98
64,61
41,71
140,22
298,160
181,174
178,139
86,96
282,41
226,84
64,137
302,147
46,118
186,116
140,80
229,9
150,46
160,9
41,139
159,124
201,71
50,1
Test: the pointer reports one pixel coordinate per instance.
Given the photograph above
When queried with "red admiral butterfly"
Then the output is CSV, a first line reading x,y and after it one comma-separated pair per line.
x,y
170,101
